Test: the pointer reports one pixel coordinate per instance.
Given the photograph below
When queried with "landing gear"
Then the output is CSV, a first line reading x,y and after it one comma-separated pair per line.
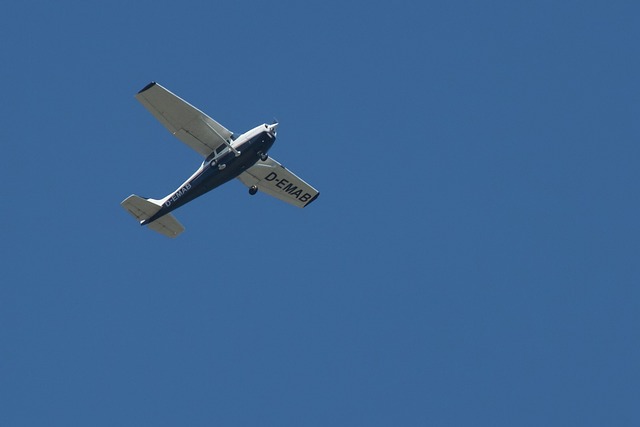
x,y
253,190
263,156
222,166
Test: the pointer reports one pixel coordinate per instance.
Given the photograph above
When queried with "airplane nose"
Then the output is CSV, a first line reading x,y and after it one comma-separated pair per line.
x,y
272,129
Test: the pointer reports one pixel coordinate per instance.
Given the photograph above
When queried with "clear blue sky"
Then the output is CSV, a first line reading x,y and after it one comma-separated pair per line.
x,y
472,258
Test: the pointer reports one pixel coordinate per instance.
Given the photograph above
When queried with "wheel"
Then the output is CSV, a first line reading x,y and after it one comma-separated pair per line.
x,y
253,190
213,163
222,166
263,157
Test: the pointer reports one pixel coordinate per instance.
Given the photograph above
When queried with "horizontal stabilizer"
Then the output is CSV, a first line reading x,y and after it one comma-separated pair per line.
x,y
167,225
140,208
143,209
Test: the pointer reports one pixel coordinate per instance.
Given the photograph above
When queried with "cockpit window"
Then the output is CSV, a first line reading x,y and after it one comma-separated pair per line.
x,y
220,149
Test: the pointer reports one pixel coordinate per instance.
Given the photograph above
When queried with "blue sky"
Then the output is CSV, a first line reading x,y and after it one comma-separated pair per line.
x,y
472,258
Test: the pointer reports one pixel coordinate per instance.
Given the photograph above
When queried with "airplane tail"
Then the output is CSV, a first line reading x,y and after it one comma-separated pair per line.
x,y
143,209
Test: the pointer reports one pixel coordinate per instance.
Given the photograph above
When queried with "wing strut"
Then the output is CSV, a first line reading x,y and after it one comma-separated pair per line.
x,y
227,143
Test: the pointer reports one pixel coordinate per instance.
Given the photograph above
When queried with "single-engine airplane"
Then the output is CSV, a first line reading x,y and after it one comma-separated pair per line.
x,y
226,156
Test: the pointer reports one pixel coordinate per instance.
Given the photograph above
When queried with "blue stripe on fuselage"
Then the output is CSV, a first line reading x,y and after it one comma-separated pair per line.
x,y
211,176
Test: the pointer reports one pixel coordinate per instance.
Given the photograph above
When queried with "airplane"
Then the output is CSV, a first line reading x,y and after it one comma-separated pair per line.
x,y
226,156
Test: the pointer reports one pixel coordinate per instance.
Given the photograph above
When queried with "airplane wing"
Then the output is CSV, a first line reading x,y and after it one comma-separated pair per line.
x,y
186,122
274,179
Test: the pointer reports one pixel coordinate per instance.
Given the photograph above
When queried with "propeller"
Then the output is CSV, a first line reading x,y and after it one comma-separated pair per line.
x,y
272,128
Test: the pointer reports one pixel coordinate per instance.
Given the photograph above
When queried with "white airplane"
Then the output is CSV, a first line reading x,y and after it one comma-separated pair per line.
x,y
226,156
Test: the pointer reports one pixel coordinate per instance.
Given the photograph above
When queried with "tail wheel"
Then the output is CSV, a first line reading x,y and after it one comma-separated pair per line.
x,y
253,190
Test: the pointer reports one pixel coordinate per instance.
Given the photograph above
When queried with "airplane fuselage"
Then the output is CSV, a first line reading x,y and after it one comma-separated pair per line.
x,y
219,168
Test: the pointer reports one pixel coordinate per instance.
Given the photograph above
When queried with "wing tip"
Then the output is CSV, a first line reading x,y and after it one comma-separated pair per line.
x,y
314,197
147,87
